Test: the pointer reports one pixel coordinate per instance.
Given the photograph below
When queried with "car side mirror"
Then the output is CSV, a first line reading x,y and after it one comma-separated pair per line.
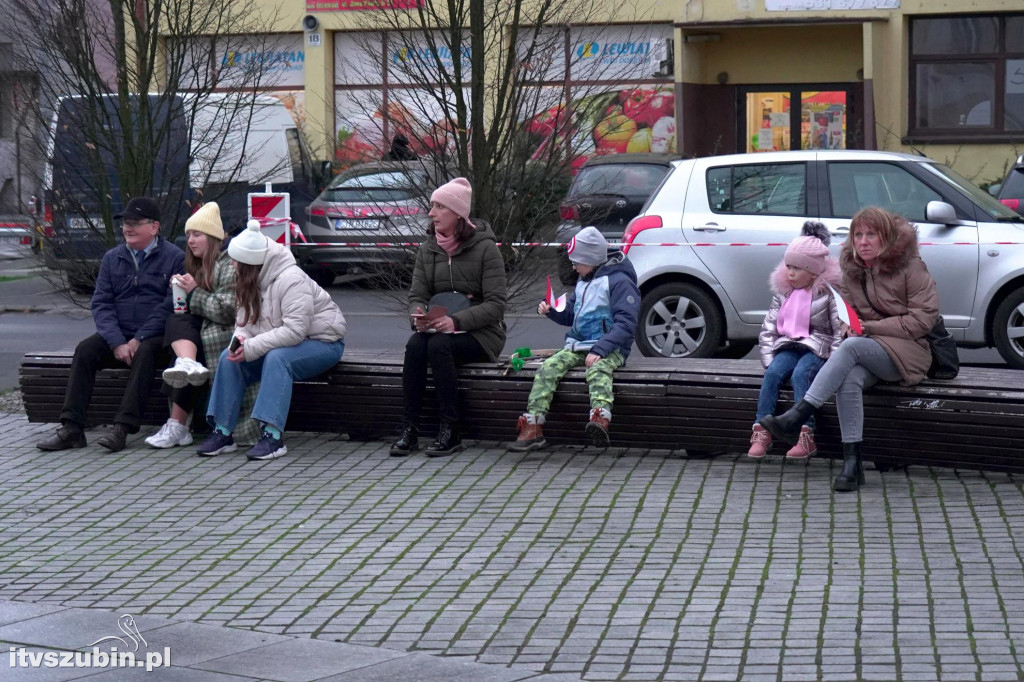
x,y
994,188
940,212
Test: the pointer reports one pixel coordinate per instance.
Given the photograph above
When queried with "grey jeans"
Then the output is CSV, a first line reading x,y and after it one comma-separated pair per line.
x,y
858,363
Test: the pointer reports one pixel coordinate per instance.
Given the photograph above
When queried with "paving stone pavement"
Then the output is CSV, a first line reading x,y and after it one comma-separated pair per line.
x,y
605,565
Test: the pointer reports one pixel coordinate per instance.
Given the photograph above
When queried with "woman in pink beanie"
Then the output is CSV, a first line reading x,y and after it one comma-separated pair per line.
x,y
460,263
799,333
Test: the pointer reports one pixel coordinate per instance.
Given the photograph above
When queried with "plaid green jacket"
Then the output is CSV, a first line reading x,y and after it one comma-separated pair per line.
x,y
218,308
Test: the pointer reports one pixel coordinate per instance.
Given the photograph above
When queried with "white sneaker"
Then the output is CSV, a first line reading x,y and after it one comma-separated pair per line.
x,y
176,376
197,373
171,435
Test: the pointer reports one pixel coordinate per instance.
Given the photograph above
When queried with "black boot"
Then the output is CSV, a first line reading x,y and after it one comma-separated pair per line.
x,y
786,426
448,441
851,476
407,443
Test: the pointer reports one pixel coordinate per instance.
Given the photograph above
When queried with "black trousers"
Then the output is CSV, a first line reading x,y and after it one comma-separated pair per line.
x,y
184,327
92,355
441,353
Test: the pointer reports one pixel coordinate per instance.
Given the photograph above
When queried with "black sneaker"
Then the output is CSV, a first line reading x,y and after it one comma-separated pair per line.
x,y
66,438
216,444
267,447
116,439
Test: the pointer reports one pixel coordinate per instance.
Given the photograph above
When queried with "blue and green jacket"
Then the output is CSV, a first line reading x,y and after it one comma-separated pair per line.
x,y
602,312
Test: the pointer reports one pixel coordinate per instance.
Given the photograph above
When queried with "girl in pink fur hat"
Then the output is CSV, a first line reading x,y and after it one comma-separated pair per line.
x,y
800,331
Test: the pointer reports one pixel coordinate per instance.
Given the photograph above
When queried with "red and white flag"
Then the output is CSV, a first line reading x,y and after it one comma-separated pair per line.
x,y
558,304
846,313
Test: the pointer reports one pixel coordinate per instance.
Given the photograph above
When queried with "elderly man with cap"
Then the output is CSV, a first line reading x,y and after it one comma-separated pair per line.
x,y
130,306
601,315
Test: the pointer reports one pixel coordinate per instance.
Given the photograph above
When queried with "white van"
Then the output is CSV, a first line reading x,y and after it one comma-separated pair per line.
x,y
216,148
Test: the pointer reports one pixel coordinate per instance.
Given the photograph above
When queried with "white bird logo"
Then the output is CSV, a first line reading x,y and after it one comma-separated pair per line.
x,y
127,625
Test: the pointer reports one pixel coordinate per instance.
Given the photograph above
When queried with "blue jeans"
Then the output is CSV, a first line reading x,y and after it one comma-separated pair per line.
x,y
275,371
799,363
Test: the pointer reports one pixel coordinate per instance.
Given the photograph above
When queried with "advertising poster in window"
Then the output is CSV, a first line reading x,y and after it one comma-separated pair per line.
x,y
618,53
358,58
244,62
366,124
417,59
609,120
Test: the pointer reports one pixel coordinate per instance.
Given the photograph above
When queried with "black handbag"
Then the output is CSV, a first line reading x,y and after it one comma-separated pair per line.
x,y
945,360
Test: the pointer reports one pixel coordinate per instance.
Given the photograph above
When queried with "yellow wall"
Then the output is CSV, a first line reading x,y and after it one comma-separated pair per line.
x,y
789,54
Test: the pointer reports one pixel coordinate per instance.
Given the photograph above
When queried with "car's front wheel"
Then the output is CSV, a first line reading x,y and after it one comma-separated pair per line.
x,y
1008,328
678,320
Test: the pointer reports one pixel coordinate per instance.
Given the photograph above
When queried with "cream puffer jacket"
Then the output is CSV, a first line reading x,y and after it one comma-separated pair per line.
x,y
293,308
824,326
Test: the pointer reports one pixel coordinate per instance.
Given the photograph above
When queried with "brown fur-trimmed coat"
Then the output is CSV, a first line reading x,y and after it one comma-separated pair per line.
x,y
900,286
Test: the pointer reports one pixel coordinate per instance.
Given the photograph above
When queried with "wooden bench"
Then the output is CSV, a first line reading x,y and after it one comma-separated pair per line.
x,y
701,406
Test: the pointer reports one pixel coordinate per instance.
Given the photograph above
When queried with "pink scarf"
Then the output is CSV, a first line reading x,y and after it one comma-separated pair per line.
x,y
449,243
794,320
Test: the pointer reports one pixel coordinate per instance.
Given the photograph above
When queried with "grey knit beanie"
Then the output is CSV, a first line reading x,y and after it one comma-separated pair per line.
x,y
588,247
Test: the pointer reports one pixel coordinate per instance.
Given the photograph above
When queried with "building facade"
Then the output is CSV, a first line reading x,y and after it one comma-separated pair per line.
x,y
942,77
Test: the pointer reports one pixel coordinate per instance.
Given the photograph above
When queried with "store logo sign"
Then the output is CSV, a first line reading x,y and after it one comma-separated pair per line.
x,y
588,50
624,52
425,55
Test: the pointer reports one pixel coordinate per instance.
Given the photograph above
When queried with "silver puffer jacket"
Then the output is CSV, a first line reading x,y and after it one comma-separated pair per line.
x,y
824,325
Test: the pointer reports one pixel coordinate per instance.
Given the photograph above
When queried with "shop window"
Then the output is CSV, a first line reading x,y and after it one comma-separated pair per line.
x,y
773,189
854,185
967,76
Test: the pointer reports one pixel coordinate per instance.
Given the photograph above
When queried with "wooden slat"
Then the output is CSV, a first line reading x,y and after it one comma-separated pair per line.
x,y
975,421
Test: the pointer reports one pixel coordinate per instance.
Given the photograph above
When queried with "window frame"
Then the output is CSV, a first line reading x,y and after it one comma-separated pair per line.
x,y
807,193
996,58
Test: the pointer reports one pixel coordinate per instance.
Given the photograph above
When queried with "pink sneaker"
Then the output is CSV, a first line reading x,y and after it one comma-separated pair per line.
x,y
760,441
804,447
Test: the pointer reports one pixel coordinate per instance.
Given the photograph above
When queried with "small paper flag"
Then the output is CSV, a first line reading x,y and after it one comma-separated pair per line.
x,y
847,314
558,304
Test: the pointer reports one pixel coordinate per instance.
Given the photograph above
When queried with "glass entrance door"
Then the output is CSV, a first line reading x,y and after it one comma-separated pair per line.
x,y
772,122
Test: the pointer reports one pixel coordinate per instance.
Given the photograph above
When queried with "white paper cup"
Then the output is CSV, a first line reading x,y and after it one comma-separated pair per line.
x,y
178,297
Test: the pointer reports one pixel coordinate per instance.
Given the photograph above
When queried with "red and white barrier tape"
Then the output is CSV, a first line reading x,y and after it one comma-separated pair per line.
x,y
636,245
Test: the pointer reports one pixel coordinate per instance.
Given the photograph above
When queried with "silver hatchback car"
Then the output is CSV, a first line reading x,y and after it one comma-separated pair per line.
x,y
710,235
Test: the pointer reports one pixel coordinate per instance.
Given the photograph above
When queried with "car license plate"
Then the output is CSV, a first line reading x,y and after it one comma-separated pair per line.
x,y
79,224
363,225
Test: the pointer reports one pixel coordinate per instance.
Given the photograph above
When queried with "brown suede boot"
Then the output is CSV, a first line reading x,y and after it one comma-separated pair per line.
x,y
531,435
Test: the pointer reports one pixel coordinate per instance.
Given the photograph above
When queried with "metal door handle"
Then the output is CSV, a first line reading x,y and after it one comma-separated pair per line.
x,y
709,227
841,231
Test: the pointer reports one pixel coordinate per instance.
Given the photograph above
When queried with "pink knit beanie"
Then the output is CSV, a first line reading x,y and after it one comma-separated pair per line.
x,y
456,195
810,250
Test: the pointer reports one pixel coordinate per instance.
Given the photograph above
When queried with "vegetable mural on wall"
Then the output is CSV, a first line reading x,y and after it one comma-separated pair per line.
x,y
633,119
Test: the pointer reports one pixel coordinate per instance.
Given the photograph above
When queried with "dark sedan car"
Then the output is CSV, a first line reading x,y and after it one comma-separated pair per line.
x,y
361,221
610,190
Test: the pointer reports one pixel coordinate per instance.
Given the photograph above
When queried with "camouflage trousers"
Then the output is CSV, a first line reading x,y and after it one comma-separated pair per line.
x,y
599,379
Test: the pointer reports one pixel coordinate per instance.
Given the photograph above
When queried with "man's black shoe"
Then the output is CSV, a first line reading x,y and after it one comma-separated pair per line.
x,y
115,440
67,437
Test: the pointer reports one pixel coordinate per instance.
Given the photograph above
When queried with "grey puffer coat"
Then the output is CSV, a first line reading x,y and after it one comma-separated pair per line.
x,y
824,326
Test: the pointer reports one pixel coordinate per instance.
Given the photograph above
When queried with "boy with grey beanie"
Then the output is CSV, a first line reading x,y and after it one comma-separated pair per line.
x,y
602,316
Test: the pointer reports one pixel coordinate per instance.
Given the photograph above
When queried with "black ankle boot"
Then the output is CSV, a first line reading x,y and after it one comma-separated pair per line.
x,y
851,476
407,443
448,441
786,426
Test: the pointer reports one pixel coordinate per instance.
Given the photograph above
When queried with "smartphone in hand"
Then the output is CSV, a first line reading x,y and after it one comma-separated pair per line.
x,y
235,344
